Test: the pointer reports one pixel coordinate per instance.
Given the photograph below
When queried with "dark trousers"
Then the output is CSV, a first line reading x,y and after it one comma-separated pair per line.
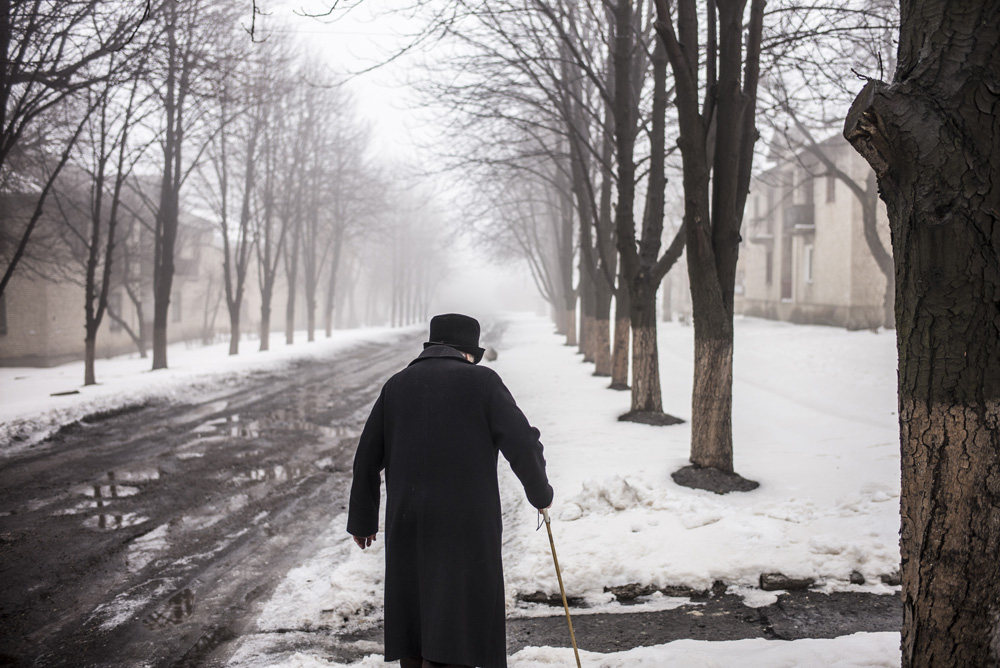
x,y
424,663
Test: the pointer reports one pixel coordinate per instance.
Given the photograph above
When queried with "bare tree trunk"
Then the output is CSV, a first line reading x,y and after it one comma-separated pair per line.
x,y
89,357
942,192
234,329
712,398
883,259
587,308
646,396
292,276
602,329
265,320
623,326
717,136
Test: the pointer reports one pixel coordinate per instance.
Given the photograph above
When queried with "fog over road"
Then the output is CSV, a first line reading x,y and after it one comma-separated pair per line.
x,y
146,538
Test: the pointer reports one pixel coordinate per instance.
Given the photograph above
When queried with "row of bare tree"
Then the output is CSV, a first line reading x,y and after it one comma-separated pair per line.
x,y
575,110
120,124
574,115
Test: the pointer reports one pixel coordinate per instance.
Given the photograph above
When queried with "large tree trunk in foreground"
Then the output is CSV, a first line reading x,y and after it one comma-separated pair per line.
x,y
932,137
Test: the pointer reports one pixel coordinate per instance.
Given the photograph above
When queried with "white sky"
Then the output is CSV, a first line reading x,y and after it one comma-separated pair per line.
x,y
359,45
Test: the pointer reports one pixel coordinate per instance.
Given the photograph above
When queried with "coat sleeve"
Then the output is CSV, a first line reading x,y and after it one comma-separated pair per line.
x,y
518,441
369,460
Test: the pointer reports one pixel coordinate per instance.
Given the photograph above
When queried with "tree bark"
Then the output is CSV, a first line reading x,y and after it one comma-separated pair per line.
x,y
587,306
89,358
619,361
933,140
234,330
265,320
602,328
713,399
646,396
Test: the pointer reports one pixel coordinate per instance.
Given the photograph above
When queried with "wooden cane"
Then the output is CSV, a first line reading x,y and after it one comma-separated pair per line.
x,y
562,590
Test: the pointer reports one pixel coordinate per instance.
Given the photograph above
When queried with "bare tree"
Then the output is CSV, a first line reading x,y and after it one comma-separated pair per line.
x,y
91,214
235,152
50,52
190,33
717,137
931,136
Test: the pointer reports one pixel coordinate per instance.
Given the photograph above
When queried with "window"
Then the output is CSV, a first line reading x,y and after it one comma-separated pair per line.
x,y
807,263
115,307
175,307
3,315
831,188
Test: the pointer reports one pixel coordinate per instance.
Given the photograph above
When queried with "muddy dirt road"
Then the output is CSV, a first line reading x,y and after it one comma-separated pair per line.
x,y
145,538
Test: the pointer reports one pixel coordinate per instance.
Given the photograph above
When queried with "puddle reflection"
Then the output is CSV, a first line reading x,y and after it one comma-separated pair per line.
x,y
116,521
103,496
177,608
278,421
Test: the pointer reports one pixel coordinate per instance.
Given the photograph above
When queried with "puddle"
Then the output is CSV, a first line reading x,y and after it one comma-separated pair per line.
x,y
108,491
177,608
145,548
137,474
278,421
276,474
102,497
230,426
116,521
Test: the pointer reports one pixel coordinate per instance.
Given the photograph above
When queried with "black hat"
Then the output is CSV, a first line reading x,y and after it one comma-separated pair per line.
x,y
458,331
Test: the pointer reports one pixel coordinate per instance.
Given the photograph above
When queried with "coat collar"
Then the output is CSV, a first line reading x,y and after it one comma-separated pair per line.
x,y
432,352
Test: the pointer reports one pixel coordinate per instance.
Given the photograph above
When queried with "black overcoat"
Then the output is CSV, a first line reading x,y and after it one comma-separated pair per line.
x,y
436,429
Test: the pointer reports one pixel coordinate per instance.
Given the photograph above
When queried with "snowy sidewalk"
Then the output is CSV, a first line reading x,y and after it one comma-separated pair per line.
x,y
814,423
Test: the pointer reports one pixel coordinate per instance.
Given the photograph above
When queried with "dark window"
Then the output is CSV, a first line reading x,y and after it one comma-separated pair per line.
x,y
3,315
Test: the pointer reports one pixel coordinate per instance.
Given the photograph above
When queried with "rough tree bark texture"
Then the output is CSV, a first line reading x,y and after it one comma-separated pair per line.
x,y
646,395
620,354
933,138
712,397
602,329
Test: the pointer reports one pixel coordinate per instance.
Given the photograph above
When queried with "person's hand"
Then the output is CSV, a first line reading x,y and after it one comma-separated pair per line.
x,y
364,541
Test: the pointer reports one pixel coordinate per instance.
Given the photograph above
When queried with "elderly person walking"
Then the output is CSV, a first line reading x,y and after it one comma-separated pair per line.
x,y
436,429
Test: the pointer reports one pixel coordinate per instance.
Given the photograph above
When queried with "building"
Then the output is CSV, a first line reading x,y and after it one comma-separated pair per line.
x,y
804,257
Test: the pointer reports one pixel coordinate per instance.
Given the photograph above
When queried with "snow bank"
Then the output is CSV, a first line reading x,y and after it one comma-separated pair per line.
x,y
29,412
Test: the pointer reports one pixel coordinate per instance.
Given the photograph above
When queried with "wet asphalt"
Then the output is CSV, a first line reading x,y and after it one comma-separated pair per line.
x,y
152,536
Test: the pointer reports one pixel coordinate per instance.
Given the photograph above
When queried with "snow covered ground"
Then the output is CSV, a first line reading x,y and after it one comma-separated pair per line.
x,y
814,422
29,412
